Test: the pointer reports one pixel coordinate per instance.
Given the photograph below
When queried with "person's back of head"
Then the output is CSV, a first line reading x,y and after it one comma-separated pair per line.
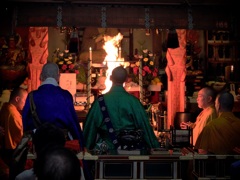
x,y
58,163
50,70
119,75
224,102
48,135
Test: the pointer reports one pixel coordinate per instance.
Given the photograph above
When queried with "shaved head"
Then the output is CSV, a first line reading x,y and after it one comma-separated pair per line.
x,y
50,70
119,75
225,100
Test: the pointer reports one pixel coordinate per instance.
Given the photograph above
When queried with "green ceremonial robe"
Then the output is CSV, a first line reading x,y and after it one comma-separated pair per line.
x,y
125,111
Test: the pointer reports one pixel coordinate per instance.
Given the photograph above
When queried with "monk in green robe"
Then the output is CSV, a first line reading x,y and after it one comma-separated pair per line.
x,y
125,112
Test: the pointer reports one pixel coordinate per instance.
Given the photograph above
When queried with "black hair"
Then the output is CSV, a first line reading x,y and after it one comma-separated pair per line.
x,y
46,135
58,163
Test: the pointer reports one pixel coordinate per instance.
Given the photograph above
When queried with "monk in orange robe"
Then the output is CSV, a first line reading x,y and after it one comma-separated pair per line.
x,y
221,135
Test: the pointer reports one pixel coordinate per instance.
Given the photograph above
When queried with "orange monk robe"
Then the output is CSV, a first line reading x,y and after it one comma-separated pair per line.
x,y
11,121
221,135
202,119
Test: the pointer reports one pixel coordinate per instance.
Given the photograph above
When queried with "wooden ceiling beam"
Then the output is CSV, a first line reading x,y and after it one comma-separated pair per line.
x,y
134,2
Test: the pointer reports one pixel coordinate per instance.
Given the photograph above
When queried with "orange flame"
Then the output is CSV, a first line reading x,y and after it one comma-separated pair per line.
x,y
113,57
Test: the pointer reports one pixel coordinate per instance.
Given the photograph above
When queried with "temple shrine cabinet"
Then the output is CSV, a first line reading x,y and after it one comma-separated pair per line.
x,y
222,55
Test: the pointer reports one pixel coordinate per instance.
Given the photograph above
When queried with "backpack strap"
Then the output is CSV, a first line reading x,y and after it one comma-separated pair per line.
x,y
36,120
107,120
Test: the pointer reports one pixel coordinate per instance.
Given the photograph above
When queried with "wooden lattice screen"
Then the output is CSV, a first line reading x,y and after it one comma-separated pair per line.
x,y
131,16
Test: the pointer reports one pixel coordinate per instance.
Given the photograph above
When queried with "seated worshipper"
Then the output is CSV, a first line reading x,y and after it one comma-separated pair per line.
x,y
53,104
11,122
47,135
205,100
57,163
221,135
125,112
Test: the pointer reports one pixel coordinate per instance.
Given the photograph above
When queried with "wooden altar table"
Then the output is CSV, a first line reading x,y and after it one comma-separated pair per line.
x,y
213,166
163,165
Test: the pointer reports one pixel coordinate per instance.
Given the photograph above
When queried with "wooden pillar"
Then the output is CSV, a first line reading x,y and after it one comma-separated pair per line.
x,y
38,49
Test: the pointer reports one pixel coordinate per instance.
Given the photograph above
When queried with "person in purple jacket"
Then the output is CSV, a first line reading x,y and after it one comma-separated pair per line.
x,y
53,104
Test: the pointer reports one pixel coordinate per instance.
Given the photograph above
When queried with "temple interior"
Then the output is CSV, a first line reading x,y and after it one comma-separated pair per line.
x,y
191,43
